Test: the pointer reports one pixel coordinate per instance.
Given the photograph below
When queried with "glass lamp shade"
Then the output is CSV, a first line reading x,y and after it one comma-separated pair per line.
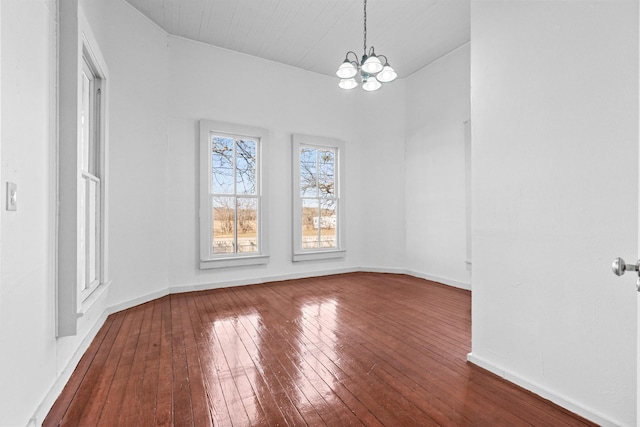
x,y
348,83
387,74
346,70
371,84
372,65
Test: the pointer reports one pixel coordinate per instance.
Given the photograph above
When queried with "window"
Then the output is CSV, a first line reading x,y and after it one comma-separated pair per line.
x,y
318,209
90,191
82,166
232,211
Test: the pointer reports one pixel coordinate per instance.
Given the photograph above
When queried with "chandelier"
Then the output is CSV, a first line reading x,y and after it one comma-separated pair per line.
x,y
372,71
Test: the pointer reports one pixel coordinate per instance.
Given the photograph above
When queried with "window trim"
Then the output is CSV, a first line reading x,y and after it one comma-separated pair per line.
x,y
299,254
208,260
96,167
76,41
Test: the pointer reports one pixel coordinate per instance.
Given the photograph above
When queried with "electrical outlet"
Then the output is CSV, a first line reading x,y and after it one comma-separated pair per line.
x,y
12,196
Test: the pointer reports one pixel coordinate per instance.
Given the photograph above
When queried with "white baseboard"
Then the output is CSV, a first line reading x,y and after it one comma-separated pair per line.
x,y
276,278
544,392
65,374
137,301
444,281
258,280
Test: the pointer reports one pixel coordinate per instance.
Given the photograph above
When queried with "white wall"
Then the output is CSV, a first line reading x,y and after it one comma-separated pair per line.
x,y
212,83
27,332
136,53
382,173
437,105
554,89
32,359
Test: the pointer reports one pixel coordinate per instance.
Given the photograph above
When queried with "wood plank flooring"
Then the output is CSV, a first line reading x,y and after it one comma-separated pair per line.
x,y
355,349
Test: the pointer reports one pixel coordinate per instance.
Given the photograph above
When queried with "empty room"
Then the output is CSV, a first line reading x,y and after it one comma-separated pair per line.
x,y
319,212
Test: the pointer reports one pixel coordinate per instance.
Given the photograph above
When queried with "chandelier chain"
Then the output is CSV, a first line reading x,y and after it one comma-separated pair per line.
x,y
365,27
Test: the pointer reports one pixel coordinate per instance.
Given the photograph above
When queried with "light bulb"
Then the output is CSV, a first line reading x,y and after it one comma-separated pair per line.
x,y
372,65
346,70
387,74
371,84
348,83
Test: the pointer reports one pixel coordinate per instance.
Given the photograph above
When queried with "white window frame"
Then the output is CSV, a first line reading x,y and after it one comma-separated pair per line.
x,y
207,258
300,254
78,49
92,174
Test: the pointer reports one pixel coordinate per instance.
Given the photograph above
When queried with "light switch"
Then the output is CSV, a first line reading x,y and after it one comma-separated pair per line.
x,y
12,196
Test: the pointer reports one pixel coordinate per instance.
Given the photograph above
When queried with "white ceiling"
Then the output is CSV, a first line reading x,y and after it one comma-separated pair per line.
x,y
316,34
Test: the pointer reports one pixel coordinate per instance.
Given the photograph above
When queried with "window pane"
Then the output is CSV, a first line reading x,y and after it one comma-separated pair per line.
x,y
223,217
221,165
326,175
246,167
308,172
328,224
247,224
93,231
82,240
85,118
310,224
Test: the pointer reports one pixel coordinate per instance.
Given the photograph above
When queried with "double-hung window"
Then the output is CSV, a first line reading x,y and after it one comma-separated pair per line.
x,y
90,191
318,205
82,165
232,208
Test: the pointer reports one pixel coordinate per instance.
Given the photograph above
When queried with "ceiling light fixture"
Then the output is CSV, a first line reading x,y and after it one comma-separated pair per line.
x,y
372,71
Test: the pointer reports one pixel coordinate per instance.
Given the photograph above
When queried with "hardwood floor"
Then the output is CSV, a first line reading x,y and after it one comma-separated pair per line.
x,y
354,349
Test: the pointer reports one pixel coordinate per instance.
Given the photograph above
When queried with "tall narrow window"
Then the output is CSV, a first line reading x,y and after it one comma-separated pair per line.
x,y
90,191
318,205
231,202
82,165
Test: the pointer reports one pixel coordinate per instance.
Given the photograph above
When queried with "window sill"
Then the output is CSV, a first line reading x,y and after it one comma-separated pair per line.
x,y
234,262
92,298
310,256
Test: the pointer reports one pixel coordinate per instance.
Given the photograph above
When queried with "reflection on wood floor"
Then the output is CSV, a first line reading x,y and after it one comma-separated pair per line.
x,y
353,349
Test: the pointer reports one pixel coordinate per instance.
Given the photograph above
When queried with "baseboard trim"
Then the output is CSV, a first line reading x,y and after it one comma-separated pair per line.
x,y
443,280
277,278
62,379
543,392
137,301
258,280
438,279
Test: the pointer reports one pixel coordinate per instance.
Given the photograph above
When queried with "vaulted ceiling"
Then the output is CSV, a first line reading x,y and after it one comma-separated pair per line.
x,y
316,34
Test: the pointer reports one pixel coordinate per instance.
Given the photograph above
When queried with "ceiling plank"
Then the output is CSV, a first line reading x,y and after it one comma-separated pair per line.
x,y
315,35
